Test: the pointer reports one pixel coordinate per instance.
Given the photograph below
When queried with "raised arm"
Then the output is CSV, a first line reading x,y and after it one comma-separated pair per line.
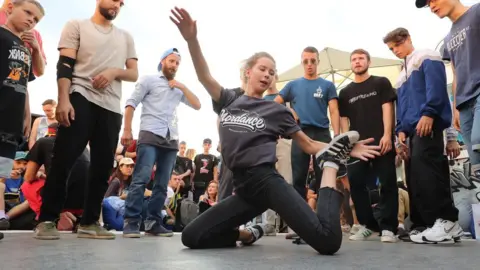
x,y
188,28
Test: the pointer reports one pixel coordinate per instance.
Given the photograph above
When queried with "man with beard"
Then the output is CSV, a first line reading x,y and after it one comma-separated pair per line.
x,y
366,105
95,57
310,96
157,142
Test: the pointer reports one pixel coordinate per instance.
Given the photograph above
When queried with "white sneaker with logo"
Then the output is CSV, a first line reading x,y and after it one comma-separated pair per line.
x,y
388,237
417,236
442,231
355,229
362,234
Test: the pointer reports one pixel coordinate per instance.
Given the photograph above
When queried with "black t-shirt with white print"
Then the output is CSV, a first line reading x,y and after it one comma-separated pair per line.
x,y
204,165
15,72
249,129
362,104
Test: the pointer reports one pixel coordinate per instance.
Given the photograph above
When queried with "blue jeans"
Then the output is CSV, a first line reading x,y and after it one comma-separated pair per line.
x,y
147,156
470,125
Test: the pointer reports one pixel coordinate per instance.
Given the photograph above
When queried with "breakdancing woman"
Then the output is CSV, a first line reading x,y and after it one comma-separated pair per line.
x,y
249,129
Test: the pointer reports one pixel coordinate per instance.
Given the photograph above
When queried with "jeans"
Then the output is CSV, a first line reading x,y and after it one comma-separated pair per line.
x,y
98,127
359,174
301,160
256,190
470,125
428,181
147,156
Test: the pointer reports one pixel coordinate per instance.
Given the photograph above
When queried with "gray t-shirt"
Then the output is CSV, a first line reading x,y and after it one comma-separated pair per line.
x,y
249,129
97,50
461,47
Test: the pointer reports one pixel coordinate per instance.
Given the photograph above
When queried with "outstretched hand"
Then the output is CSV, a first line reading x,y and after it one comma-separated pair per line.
x,y
362,150
187,26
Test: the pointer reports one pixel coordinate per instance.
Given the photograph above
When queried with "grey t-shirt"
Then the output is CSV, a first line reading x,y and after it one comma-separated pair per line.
x,y
249,129
461,47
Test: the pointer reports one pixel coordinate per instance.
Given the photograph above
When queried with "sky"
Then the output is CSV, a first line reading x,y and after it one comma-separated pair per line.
x,y
231,31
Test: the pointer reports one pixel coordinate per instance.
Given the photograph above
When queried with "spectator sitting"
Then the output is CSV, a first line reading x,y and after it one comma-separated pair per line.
x,y
19,215
113,207
210,198
173,196
121,179
41,155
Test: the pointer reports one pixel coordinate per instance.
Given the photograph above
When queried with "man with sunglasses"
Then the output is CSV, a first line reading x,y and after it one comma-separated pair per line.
x,y
310,97
157,143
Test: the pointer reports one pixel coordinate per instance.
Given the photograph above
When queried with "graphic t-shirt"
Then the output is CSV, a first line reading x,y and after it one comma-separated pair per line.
x,y
362,104
461,47
309,99
12,195
15,65
249,129
204,165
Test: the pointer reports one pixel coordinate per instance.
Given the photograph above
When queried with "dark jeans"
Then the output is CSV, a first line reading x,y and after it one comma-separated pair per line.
x,y
147,156
256,190
98,127
198,191
359,175
301,160
428,181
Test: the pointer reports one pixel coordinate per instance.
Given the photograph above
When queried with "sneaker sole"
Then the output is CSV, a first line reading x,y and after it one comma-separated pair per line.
x,y
352,136
132,235
47,237
158,234
91,236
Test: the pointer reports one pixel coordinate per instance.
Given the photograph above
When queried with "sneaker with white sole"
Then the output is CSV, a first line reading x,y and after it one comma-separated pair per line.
x,y
388,237
362,234
443,231
257,232
416,236
338,150
355,228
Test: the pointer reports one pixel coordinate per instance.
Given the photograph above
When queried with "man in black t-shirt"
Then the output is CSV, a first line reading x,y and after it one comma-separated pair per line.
x,y
15,72
366,105
205,170
184,166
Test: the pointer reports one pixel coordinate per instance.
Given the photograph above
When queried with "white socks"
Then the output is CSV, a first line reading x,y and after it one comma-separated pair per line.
x,y
330,165
2,214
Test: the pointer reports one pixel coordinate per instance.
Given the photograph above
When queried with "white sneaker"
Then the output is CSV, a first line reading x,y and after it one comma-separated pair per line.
x,y
442,231
388,237
355,229
417,236
362,234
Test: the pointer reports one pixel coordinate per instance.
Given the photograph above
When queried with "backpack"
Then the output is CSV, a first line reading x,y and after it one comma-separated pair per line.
x,y
188,211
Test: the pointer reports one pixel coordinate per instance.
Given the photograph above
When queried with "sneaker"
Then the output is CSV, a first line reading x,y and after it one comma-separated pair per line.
x,y
338,150
442,231
270,230
403,234
94,231
416,236
4,224
355,228
257,232
362,234
46,231
342,171
131,229
388,237
155,228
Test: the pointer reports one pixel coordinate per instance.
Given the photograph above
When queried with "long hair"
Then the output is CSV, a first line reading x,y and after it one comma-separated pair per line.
x,y
123,183
190,154
206,190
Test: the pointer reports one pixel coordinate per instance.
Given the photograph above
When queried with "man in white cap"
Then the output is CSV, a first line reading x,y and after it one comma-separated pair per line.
x,y
157,142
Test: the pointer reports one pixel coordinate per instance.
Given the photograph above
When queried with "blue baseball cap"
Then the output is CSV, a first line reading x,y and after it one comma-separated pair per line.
x,y
19,155
165,54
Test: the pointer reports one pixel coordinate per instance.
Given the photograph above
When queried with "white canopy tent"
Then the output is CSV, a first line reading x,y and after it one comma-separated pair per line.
x,y
335,66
